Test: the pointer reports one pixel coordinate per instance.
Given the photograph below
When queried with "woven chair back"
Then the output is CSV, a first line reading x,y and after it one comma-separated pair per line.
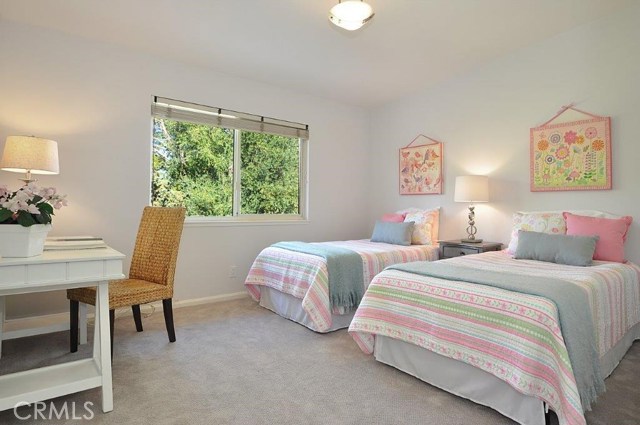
x,y
156,251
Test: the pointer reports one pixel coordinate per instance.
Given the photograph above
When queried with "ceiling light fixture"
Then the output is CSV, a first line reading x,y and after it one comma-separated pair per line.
x,y
351,14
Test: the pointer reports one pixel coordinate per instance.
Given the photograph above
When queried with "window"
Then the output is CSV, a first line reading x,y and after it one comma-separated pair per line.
x,y
225,164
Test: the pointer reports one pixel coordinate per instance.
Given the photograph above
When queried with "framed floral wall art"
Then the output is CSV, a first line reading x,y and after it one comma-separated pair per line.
x,y
421,167
572,155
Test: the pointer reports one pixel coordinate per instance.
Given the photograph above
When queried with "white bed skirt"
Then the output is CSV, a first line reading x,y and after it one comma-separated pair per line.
x,y
290,308
474,384
460,379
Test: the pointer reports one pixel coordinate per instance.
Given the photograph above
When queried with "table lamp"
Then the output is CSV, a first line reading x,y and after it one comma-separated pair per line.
x,y
472,189
29,154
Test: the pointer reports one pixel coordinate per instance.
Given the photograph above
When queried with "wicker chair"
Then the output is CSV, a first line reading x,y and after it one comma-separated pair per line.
x,y
151,275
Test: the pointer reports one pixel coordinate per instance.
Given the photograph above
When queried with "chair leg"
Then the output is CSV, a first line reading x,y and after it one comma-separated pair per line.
x,y
74,307
137,317
112,319
168,319
83,323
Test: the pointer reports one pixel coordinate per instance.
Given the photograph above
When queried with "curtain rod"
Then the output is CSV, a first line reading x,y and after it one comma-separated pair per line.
x,y
262,117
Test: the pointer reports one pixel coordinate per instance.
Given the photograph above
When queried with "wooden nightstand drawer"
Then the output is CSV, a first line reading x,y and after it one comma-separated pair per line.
x,y
458,248
456,251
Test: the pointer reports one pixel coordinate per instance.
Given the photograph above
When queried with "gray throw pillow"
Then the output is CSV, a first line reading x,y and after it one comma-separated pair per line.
x,y
395,233
561,249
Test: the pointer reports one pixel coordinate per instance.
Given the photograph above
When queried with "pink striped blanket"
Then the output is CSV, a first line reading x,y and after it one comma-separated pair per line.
x,y
515,337
305,276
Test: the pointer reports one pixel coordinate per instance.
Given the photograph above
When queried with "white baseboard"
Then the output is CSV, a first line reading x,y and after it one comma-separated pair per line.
x,y
207,300
36,325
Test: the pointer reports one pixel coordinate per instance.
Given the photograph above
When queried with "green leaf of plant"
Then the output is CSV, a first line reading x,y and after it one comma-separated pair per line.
x,y
44,207
25,219
43,218
5,214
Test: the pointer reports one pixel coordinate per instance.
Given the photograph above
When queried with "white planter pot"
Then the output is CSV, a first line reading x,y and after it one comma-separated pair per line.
x,y
20,241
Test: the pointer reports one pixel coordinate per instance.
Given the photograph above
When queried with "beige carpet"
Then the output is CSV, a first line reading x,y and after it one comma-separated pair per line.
x,y
237,363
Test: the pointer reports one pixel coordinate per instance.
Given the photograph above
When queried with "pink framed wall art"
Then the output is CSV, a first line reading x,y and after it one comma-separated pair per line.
x,y
572,155
421,167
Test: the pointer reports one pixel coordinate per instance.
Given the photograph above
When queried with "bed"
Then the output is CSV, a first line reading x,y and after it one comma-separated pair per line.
x,y
494,346
295,285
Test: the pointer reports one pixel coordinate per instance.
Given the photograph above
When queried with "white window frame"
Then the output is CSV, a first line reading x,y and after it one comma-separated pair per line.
x,y
189,112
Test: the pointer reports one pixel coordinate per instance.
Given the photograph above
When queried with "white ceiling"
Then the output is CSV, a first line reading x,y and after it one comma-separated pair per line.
x,y
408,46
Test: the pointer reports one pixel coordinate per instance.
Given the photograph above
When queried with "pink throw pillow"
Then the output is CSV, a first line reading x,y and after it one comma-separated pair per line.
x,y
612,233
393,218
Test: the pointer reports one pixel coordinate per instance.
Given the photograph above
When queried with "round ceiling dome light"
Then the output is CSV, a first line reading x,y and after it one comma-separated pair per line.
x,y
351,14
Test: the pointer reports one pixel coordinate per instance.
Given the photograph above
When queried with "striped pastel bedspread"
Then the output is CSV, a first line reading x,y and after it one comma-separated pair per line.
x,y
304,276
514,336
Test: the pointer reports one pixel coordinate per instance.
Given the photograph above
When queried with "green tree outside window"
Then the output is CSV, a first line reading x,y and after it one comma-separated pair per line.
x,y
193,167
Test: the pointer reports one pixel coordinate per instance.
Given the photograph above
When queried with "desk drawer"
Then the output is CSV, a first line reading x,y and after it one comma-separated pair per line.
x,y
457,251
35,274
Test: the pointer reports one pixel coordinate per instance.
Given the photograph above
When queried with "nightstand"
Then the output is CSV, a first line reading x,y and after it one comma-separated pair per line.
x,y
456,248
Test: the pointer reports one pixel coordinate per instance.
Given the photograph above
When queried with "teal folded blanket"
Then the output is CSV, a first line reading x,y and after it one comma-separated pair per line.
x,y
346,278
573,311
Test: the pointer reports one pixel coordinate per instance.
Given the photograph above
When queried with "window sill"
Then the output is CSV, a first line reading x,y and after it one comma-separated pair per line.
x,y
242,221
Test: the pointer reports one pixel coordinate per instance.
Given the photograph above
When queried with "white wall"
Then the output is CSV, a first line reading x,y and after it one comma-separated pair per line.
x,y
484,118
94,99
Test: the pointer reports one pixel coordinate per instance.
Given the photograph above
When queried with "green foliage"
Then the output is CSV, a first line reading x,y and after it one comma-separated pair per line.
x,y
193,167
25,219
5,215
270,174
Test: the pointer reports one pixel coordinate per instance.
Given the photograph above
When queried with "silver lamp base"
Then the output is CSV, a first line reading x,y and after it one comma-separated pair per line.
x,y
471,229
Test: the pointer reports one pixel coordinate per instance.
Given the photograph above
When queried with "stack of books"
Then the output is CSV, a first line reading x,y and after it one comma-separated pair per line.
x,y
73,242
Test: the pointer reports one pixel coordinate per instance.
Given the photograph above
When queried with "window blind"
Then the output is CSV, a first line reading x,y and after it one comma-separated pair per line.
x,y
201,114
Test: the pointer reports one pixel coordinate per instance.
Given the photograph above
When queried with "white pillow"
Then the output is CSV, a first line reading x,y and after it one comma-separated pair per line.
x,y
543,222
426,227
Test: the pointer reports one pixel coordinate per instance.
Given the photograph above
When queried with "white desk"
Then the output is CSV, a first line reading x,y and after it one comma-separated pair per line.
x,y
55,270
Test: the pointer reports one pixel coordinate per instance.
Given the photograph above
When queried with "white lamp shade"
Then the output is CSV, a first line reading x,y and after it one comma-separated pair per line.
x,y
472,189
28,153
351,14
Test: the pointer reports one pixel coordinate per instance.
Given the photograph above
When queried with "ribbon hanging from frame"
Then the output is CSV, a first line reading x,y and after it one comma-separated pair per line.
x,y
420,167
571,155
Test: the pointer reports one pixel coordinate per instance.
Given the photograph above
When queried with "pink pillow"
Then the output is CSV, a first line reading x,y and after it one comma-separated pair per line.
x,y
612,233
393,218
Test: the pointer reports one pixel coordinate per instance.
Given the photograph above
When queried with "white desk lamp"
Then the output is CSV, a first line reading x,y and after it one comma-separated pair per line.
x,y
30,155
